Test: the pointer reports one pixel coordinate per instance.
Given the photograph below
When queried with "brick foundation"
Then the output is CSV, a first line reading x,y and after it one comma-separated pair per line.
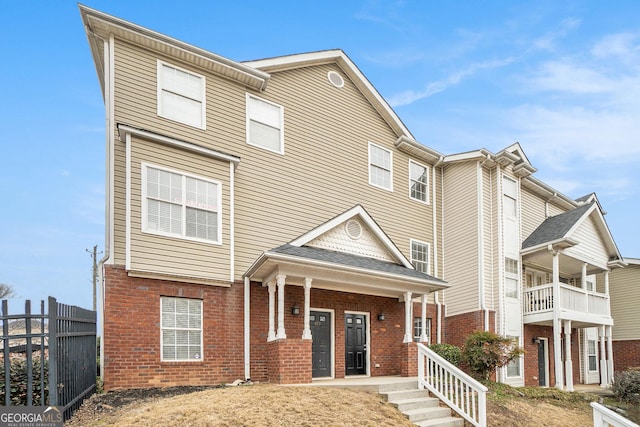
x,y
531,355
289,361
409,366
131,337
459,326
132,333
626,354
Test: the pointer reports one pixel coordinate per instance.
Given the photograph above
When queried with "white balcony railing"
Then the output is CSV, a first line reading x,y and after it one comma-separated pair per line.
x,y
541,299
462,393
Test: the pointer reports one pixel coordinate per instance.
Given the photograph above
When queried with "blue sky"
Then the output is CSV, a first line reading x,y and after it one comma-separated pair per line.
x,y
561,78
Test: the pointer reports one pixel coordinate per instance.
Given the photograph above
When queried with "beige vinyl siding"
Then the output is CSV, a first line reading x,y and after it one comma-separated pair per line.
x,y
323,172
461,231
591,246
624,289
175,255
532,212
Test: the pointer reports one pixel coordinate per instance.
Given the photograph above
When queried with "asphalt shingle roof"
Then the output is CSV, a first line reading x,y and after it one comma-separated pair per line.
x,y
353,261
555,227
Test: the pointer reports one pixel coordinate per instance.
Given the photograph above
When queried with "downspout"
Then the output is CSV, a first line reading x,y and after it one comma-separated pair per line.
x,y
109,54
435,247
483,305
247,329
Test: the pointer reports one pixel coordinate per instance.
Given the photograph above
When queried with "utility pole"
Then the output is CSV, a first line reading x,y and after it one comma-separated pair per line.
x,y
94,271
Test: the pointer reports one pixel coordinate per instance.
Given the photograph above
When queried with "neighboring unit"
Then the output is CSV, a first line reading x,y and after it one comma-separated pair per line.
x,y
625,295
275,220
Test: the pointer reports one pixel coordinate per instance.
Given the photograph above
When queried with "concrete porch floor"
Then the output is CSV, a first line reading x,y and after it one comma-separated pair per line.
x,y
362,383
593,389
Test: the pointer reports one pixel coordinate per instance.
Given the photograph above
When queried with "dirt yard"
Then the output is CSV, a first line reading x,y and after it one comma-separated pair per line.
x,y
270,405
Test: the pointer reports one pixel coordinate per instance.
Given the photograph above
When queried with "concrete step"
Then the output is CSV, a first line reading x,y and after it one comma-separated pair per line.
x,y
416,403
399,385
442,422
394,396
421,414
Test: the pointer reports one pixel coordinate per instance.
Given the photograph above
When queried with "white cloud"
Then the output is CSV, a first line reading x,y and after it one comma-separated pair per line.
x,y
565,76
548,40
623,46
411,96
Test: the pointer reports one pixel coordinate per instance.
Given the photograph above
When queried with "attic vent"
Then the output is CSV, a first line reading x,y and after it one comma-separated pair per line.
x,y
335,79
353,229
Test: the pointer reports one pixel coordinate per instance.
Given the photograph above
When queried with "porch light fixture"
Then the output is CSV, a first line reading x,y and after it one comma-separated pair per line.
x,y
536,340
295,310
381,317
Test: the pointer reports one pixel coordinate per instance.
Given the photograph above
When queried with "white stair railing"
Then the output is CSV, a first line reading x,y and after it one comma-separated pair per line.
x,y
605,417
462,393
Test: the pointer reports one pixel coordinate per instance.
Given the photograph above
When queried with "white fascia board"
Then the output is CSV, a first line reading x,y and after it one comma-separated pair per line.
x,y
564,243
517,147
466,156
125,130
337,56
631,261
101,24
603,228
333,266
359,211
544,189
417,150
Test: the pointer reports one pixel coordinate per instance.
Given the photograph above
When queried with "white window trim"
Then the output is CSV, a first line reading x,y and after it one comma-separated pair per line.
x,y
416,338
390,166
428,201
183,236
159,94
248,120
411,242
162,359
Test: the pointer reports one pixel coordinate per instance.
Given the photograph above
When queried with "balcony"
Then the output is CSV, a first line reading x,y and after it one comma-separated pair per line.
x,y
584,308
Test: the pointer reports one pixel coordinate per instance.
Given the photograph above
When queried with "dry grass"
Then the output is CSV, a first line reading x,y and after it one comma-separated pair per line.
x,y
271,405
256,405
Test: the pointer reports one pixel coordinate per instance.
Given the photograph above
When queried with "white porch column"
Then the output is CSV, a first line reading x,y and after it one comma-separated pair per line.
x,y
568,363
583,276
272,302
557,324
606,282
608,333
408,324
423,335
306,333
604,378
280,281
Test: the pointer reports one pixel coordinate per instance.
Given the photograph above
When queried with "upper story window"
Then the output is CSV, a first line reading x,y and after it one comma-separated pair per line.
x,y
512,284
265,124
181,95
418,182
181,329
180,205
380,167
420,255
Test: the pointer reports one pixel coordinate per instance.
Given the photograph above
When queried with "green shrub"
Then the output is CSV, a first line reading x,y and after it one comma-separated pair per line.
x,y
626,385
484,351
448,352
18,383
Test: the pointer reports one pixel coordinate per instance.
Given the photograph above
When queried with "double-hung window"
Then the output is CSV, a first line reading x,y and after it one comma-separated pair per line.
x,y
420,255
181,95
417,329
380,167
181,329
265,124
514,367
418,182
512,284
180,205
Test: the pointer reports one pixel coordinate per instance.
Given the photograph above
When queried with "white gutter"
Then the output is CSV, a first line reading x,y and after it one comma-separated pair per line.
x,y
438,302
483,305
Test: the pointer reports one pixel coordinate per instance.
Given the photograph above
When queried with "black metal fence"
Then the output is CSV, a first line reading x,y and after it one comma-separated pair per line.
x,y
48,357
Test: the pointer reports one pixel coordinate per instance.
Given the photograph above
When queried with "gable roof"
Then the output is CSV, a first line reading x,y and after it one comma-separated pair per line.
x,y
342,269
558,230
336,56
360,212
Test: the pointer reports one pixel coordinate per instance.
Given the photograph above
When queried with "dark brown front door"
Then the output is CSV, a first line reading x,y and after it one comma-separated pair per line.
x,y
355,350
320,323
